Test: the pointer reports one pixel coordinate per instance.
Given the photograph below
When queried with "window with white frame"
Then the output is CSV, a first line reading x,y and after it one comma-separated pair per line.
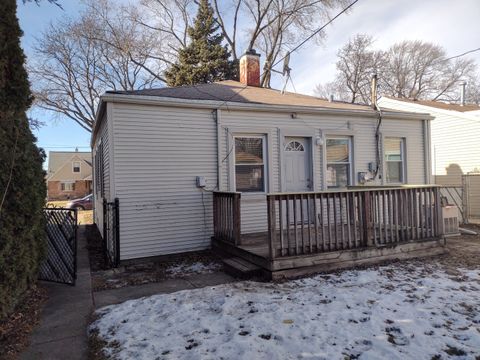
x,y
68,186
250,163
394,152
339,161
76,166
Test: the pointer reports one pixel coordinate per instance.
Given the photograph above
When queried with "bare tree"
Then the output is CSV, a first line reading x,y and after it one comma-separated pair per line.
x,y
409,69
76,61
355,65
271,26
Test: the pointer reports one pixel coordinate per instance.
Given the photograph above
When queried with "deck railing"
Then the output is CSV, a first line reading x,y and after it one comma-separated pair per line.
x,y
309,223
226,216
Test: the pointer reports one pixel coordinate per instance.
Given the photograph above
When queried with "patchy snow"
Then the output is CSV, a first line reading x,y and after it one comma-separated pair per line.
x,y
400,311
192,268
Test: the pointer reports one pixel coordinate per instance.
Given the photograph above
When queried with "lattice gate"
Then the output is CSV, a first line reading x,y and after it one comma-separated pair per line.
x,y
111,232
60,264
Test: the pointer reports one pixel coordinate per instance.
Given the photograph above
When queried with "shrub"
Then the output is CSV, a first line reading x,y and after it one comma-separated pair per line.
x,y
22,184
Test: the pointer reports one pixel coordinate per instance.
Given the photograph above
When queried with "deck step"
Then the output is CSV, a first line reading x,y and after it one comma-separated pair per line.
x,y
241,268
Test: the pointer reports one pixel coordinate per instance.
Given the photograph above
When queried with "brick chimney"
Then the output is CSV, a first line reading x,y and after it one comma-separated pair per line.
x,y
250,68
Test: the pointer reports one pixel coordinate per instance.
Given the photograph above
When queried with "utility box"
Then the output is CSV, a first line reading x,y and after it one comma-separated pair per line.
x,y
450,220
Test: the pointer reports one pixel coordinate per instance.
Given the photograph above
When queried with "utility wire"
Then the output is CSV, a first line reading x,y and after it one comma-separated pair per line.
x,y
295,48
457,56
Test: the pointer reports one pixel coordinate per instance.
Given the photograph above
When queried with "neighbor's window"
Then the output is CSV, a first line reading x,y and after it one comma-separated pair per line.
x,y
250,164
68,186
339,158
394,150
76,166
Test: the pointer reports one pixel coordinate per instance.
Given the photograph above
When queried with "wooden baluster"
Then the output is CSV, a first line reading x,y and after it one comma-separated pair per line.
x,y
347,211
390,208
355,212
329,226
322,211
295,223
309,224
280,224
342,230
430,213
335,225
367,219
315,219
378,211
215,215
411,215
415,214
302,221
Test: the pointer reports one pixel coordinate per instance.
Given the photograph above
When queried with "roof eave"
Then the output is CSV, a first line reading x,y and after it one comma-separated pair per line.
x,y
214,104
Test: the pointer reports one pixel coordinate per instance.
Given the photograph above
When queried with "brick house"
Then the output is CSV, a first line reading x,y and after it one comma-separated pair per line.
x,y
69,174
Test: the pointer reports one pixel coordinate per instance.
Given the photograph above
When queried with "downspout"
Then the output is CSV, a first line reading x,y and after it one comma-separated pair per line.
x,y
427,151
216,113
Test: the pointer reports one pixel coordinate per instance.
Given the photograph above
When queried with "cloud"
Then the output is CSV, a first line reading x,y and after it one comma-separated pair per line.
x,y
453,25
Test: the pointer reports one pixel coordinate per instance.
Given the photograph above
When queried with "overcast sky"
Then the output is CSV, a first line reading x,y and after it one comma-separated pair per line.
x,y
455,25
452,24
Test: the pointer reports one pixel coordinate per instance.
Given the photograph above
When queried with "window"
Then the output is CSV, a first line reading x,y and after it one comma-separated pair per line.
x,y
68,186
99,171
339,160
394,150
294,146
76,166
250,164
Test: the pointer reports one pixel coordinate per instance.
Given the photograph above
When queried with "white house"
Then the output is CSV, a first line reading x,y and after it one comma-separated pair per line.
x,y
454,136
455,145
163,151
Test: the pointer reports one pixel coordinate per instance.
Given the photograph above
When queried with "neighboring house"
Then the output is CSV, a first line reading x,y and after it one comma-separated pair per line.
x,y
455,146
69,174
155,149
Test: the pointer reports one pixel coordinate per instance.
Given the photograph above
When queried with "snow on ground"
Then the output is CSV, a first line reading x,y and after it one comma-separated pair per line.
x,y
400,311
183,269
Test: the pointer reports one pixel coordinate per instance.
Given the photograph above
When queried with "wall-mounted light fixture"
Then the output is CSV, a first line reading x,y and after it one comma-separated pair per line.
x,y
319,141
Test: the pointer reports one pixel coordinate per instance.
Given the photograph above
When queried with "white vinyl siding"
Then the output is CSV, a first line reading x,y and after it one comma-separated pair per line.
x,y
159,151
103,138
455,149
275,125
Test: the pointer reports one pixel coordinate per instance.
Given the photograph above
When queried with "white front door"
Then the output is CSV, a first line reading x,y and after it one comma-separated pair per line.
x,y
297,164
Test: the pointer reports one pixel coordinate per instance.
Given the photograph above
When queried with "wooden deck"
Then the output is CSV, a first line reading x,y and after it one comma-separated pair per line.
x,y
311,232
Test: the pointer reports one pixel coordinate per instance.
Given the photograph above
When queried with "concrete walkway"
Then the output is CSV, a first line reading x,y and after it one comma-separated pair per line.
x,y
115,296
61,333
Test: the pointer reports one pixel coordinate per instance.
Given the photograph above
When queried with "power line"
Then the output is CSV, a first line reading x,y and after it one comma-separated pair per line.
x,y
296,47
457,56
317,31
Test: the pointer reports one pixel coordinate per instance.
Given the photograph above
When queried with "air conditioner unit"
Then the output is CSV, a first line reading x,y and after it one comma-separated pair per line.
x,y
450,220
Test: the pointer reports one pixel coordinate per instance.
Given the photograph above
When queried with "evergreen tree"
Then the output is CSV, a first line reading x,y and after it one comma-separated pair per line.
x,y
205,59
22,184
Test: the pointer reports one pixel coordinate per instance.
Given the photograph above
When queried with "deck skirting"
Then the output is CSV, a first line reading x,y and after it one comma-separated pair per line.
x,y
294,266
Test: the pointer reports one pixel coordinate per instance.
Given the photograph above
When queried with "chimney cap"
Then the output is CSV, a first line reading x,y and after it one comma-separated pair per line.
x,y
252,52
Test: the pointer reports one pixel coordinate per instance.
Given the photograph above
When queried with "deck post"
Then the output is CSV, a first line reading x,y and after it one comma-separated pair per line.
x,y
236,218
272,220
